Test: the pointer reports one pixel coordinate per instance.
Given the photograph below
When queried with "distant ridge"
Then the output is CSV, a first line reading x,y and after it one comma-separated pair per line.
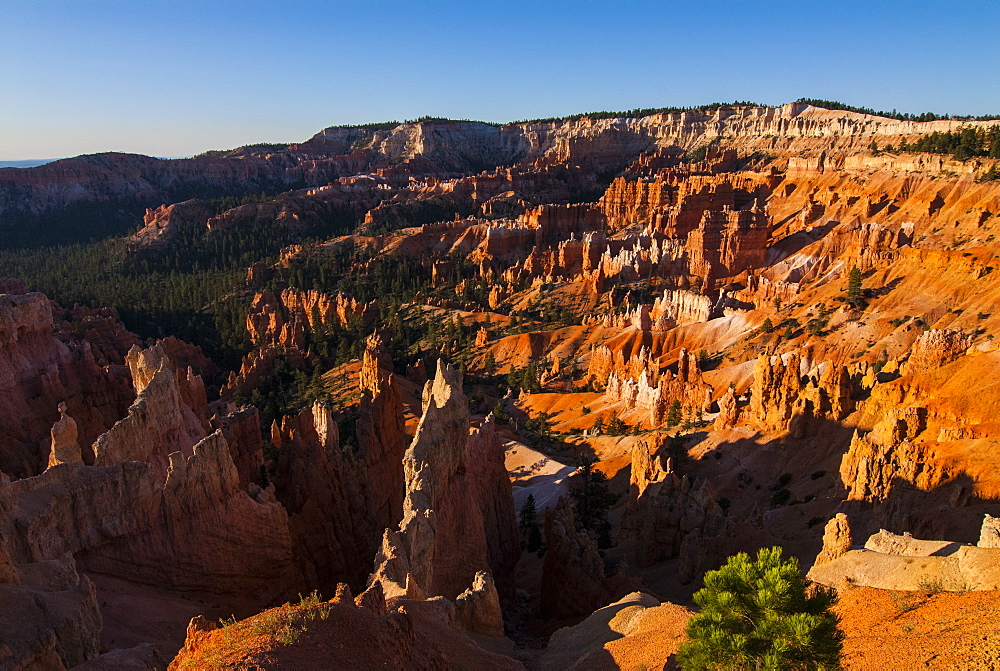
x,y
27,163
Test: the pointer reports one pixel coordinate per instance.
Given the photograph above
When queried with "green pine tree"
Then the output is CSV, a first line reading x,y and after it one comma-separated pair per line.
x,y
855,294
755,614
529,515
528,523
674,414
489,365
592,499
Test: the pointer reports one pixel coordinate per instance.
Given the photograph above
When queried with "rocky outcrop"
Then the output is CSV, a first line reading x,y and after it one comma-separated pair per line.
x,y
160,422
143,657
728,410
636,627
365,632
284,320
669,515
837,539
477,609
161,224
382,438
902,562
38,371
340,498
458,515
183,531
241,429
727,243
179,530
935,348
166,506
310,481
575,580
989,535
687,389
100,327
554,223
50,618
783,399
260,364
874,462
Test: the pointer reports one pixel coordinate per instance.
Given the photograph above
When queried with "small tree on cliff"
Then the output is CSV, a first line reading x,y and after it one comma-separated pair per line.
x,y
755,614
855,294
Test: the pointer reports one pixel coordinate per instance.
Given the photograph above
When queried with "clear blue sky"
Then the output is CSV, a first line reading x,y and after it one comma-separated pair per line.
x,y
176,78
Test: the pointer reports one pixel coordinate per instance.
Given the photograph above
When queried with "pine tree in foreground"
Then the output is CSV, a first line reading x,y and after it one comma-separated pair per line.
x,y
755,614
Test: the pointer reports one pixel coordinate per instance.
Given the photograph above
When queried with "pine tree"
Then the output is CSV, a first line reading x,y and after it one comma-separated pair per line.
x,y
515,378
855,294
529,380
674,414
591,498
616,426
489,365
529,524
767,326
529,515
534,538
755,614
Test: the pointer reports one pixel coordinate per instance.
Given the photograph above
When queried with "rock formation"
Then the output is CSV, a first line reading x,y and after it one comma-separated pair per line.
x,y
783,399
160,422
989,535
65,448
575,580
38,371
165,506
935,348
875,461
477,609
340,499
836,539
50,619
458,516
284,320
890,561
669,515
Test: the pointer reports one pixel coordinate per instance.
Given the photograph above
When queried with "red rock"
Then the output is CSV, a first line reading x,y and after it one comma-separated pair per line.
x,y
37,372
458,516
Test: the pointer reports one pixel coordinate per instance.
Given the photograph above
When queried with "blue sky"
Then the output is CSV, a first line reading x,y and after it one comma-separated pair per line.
x,y
176,78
